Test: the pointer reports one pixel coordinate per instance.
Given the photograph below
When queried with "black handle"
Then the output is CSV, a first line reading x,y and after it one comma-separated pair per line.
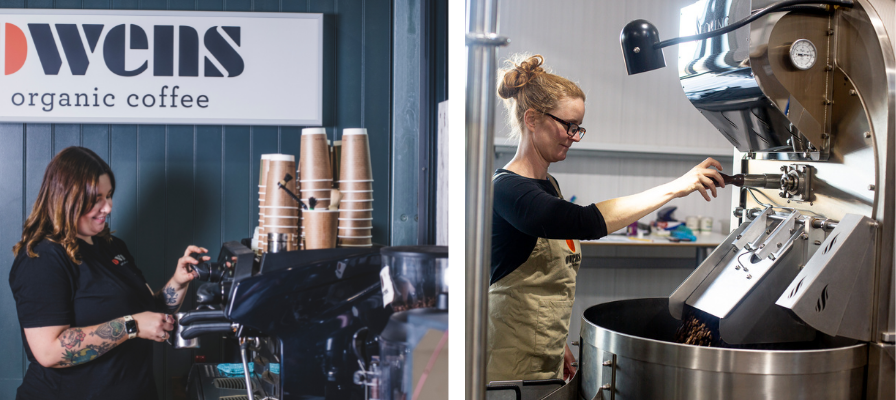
x,y
192,317
194,331
209,293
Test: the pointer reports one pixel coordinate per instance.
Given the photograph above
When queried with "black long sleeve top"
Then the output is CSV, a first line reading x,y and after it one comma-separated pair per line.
x,y
526,209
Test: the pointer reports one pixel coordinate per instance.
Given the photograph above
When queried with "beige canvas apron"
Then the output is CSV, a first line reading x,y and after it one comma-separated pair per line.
x,y
529,311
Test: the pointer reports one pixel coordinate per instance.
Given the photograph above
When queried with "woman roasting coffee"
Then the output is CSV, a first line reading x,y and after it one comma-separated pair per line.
x,y
88,317
535,233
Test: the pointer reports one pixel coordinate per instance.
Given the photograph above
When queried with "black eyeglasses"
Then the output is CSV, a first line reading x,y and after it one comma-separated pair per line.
x,y
571,129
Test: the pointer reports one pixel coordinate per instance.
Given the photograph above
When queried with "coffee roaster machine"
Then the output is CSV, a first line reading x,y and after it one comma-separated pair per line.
x,y
313,322
800,296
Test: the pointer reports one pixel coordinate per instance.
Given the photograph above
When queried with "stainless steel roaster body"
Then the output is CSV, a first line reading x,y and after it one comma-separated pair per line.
x,y
803,289
627,352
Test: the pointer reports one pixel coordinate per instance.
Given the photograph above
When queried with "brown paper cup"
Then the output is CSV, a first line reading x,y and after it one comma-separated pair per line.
x,y
353,232
355,214
314,160
322,197
355,163
320,229
356,205
320,184
280,211
353,242
366,184
355,224
357,194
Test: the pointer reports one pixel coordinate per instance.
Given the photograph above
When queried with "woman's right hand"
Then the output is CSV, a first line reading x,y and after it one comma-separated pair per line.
x,y
153,326
699,178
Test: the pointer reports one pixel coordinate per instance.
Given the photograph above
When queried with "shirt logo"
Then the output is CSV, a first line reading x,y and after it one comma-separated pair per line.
x,y
119,260
571,244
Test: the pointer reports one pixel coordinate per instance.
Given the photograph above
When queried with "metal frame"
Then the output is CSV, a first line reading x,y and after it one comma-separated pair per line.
x,y
481,43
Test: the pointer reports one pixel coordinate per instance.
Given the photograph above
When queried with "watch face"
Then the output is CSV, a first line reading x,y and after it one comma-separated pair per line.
x,y
131,326
803,54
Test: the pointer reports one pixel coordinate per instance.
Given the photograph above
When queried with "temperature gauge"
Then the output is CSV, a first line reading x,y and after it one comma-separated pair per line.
x,y
803,54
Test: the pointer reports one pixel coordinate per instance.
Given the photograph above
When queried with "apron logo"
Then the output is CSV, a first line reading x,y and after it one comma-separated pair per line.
x,y
571,244
119,260
573,258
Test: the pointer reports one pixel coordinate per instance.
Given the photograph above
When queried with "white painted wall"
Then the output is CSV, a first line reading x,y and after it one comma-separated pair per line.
x,y
579,40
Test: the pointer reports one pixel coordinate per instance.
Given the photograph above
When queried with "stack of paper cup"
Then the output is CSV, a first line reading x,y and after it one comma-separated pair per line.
x,y
315,171
281,213
262,173
356,185
316,177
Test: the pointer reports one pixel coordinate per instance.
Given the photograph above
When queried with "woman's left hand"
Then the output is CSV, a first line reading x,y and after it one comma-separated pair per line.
x,y
569,370
185,272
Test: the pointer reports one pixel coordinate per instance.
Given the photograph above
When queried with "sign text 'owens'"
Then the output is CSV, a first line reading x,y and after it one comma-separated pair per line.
x,y
222,47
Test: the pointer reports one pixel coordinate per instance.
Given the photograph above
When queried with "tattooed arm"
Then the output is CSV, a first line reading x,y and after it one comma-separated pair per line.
x,y
63,346
172,294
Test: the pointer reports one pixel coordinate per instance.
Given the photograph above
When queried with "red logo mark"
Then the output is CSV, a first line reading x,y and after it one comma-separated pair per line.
x,y
16,49
571,244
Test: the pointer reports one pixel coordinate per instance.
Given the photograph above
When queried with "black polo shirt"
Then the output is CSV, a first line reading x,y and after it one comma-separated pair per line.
x,y
51,290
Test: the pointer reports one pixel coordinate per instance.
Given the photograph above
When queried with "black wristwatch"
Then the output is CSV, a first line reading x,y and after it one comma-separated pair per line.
x,y
130,326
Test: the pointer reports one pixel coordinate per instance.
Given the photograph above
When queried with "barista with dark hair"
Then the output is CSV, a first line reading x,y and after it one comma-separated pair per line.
x,y
88,317
535,233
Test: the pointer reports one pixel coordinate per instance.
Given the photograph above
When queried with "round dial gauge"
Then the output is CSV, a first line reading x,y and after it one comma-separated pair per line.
x,y
803,54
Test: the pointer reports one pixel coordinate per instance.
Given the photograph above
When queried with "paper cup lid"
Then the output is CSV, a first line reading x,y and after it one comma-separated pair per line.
x,y
314,131
354,131
278,157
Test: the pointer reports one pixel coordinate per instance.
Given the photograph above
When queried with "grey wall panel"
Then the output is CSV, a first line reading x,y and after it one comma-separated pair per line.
x,y
125,200
65,135
96,137
237,5
124,4
180,188
377,96
237,220
349,62
265,140
198,184
11,219
38,153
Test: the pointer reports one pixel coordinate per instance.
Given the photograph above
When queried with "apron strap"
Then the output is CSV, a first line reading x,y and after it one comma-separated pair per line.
x,y
556,186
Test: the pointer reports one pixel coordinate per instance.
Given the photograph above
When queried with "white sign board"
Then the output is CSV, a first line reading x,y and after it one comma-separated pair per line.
x,y
160,67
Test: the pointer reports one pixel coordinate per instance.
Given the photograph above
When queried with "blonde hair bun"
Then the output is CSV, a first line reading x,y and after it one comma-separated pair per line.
x,y
526,84
521,69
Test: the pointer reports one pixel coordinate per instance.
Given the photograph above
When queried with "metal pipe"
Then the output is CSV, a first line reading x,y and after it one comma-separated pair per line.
x,y
764,181
481,43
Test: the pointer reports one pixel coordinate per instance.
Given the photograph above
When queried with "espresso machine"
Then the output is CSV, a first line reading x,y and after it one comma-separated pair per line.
x,y
314,324
304,318
798,301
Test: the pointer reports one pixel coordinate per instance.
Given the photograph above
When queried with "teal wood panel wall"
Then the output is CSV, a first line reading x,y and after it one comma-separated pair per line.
x,y
182,184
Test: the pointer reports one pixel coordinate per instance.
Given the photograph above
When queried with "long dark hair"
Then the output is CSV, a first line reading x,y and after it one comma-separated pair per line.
x,y
68,191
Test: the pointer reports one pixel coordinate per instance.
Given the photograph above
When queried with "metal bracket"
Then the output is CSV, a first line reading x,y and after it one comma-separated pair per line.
x,y
608,386
796,182
753,231
486,39
774,243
